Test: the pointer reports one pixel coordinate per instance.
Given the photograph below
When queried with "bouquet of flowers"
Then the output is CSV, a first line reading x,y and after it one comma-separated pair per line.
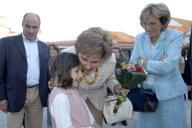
x,y
129,75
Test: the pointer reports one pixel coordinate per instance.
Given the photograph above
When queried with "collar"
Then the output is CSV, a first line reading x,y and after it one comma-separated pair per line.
x,y
25,39
162,35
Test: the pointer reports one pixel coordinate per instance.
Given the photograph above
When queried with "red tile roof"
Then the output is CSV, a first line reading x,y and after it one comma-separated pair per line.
x,y
186,25
122,37
63,43
181,28
124,40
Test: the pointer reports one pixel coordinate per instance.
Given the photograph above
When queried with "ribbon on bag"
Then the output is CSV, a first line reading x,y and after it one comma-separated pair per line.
x,y
113,113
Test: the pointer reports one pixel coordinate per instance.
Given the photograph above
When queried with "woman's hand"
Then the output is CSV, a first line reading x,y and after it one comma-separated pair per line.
x,y
3,105
118,90
142,62
164,56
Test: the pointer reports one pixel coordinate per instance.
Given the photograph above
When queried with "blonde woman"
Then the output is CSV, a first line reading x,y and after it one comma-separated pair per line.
x,y
158,50
94,49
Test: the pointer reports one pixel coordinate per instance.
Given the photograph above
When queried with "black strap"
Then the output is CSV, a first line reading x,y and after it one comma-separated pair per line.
x,y
189,54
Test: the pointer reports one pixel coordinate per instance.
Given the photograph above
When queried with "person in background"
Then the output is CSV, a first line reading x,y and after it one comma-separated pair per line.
x,y
182,61
54,50
24,75
94,49
186,74
120,57
66,106
158,50
189,56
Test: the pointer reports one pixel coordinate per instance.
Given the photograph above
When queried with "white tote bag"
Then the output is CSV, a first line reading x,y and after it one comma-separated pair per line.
x,y
124,111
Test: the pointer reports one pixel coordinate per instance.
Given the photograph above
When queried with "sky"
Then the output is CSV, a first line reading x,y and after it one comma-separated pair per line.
x,y
66,19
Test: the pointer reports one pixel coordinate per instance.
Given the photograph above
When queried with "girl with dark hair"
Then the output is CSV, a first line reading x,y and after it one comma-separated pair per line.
x,y
94,49
67,109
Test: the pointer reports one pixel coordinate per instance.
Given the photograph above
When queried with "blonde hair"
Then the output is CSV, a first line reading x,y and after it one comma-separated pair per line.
x,y
160,10
95,41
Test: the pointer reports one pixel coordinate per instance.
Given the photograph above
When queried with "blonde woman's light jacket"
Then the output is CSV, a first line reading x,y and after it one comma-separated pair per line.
x,y
163,58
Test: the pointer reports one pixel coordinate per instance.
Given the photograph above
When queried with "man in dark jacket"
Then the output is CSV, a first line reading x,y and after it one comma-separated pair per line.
x,y
24,75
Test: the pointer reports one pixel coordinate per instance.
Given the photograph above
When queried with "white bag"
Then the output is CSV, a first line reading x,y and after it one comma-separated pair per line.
x,y
124,112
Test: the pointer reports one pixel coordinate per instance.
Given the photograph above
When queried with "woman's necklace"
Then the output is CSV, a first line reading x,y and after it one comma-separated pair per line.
x,y
89,82
154,39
